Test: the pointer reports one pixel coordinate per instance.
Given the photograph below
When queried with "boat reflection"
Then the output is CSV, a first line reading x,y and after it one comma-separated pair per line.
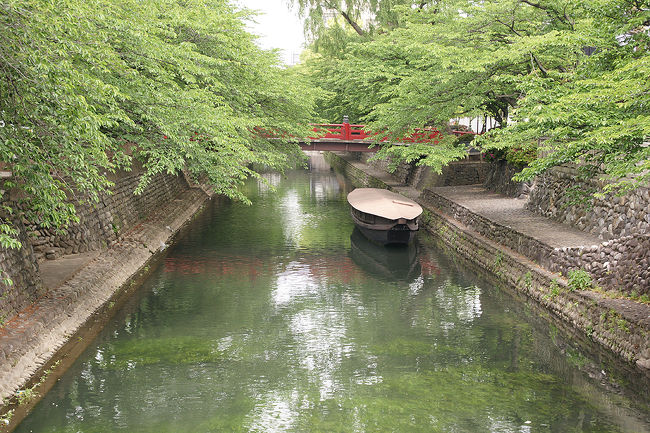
x,y
394,262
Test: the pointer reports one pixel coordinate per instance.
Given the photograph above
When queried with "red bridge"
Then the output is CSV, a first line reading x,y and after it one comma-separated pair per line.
x,y
352,138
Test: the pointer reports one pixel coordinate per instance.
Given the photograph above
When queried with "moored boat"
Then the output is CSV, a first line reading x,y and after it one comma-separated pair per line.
x,y
384,216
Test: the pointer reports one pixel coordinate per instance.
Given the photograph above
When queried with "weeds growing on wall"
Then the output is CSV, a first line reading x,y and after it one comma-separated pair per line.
x,y
579,279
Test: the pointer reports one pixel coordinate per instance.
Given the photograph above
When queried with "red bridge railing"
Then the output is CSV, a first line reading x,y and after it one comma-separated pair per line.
x,y
349,132
350,137
340,131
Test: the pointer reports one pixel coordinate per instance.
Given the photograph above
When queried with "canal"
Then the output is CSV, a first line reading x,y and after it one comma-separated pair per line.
x,y
280,317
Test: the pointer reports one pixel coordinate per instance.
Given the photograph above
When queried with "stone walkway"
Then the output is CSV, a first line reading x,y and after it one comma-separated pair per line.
x,y
56,272
511,213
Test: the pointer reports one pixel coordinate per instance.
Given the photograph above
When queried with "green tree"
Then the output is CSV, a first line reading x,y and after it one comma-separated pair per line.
x,y
592,112
180,85
573,72
332,24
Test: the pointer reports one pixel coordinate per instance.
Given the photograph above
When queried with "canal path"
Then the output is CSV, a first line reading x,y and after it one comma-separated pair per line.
x,y
281,317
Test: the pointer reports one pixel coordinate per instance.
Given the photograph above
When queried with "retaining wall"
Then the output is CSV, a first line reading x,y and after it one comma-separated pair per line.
x,y
499,179
100,226
562,196
622,264
102,223
622,261
519,242
463,172
18,265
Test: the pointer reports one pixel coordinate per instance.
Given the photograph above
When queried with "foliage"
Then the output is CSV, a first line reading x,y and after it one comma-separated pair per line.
x,y
554,289
572,73
579,280
465,139
521,156
326,20
6,417
613,319
26,395
88,85
8,236
593,112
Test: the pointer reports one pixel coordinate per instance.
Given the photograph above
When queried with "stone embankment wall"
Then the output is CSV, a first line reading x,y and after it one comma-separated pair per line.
x,y
102,223
622,264
401,173
560,195
464,172
525,245
611,323
499,179
18,265
100,226
622,261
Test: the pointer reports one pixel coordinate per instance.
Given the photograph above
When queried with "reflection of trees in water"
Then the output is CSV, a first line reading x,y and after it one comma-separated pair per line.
x,y
316,162
267,182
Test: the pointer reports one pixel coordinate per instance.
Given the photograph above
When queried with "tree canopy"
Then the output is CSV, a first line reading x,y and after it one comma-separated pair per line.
x,y
88,85
573,73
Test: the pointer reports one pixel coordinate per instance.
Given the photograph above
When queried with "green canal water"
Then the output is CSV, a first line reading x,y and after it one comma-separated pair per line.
x,y
280,317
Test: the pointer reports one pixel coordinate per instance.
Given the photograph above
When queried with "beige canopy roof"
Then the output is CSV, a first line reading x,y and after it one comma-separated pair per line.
x,y
383,203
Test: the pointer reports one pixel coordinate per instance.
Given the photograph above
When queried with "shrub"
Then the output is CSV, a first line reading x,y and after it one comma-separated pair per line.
x,y
520,157
579,280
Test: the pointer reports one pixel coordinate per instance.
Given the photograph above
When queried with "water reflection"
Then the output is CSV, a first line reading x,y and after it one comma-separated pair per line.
x,y
274,318
295,220
320,348
394,262
293,282
268,182
277,413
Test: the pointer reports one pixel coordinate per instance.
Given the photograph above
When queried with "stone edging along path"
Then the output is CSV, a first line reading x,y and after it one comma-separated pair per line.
x,y
619,325
37,336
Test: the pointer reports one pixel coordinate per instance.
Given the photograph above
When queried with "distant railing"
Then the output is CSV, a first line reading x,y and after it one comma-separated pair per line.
x,y
349,132
352,133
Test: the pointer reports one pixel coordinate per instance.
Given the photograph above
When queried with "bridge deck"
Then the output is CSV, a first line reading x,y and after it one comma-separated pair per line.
x,y
335,145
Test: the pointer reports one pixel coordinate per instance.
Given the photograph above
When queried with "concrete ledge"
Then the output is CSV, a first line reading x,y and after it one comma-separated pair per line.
x,y
519,242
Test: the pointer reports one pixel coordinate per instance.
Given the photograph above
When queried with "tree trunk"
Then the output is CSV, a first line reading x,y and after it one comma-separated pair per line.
x,y
354,25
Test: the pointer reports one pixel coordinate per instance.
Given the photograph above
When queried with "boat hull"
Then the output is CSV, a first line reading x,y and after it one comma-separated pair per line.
x,y
394,263
391,236
387,232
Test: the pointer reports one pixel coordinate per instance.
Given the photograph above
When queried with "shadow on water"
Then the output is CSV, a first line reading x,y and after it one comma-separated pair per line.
x,y
392,262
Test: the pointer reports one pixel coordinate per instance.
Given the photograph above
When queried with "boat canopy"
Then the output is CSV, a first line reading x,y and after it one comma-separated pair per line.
x,y
383,203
